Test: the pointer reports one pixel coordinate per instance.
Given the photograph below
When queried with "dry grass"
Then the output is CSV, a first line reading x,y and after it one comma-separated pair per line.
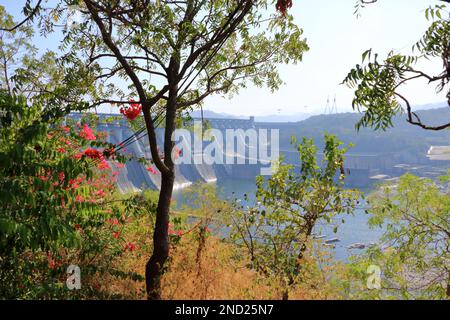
x,y
221,273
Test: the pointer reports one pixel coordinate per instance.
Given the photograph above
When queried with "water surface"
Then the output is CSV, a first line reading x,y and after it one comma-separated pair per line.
x,y
354,230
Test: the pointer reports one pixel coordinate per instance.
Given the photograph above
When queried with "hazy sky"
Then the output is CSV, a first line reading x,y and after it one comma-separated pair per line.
x,y
337,39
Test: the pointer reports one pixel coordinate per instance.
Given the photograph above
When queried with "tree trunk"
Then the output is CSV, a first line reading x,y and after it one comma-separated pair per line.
x,y
155,266
311,221
285,294
309,227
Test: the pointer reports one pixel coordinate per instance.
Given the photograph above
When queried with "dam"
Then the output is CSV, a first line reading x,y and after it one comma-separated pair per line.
x,y
134,176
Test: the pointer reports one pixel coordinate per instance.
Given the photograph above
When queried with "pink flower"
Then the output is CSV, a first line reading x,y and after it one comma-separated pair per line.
x,y
43,178
79,198
73,184
103,165
151,170
113,221
101,193
130,246
93,154
132,111
120,165
51,263
87,133
171,231
116,234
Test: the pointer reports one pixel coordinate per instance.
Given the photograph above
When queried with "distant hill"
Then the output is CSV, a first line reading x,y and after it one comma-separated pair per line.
x,y
283,118
270,118
300,116
410,141
215,115
429,106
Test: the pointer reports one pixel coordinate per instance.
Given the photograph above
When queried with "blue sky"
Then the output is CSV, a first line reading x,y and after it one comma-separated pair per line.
x,y
337,39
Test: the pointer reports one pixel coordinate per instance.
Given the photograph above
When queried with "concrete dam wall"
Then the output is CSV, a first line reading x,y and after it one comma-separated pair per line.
x,y
134,176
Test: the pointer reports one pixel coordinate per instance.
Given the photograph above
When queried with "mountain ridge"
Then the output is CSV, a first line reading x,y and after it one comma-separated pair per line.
x,y
296,117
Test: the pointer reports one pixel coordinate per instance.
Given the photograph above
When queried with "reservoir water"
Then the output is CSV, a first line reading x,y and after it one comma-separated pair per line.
x,y
354,230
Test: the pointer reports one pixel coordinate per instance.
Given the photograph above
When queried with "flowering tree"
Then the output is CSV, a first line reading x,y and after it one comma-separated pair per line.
x,y
56,189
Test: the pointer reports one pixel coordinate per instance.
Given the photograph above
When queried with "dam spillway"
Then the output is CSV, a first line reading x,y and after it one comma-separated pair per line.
x,y
134,176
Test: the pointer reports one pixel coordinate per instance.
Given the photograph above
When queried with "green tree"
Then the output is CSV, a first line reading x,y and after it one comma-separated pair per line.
x,y
378,82
38,77
414,251
290,204
12,46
